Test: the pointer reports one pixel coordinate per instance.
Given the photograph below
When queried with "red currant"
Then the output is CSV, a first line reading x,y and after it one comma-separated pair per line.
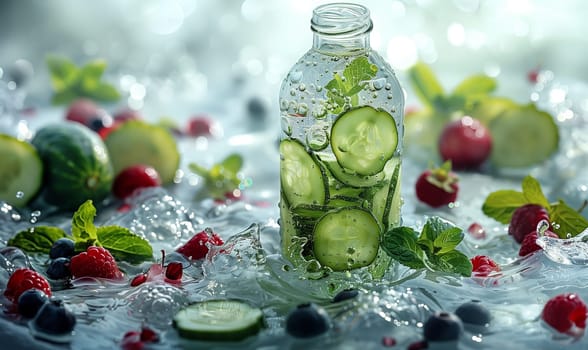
x,y
133,178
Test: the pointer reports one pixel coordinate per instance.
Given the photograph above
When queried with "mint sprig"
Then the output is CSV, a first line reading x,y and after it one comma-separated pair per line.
x,y
222,177
434,248
71,82
500,206
38,239
353,80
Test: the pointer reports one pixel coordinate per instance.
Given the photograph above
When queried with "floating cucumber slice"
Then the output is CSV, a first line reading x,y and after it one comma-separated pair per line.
x,y
218,320
351,179
21,172
363,139
523,137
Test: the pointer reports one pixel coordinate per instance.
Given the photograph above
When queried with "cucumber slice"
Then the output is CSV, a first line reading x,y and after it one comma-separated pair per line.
x,y
523,137
346,238
21,173
364,139
350,178
224,320
302,179
386,207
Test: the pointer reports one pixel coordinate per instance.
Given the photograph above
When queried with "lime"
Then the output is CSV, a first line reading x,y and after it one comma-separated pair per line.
x,y
21,173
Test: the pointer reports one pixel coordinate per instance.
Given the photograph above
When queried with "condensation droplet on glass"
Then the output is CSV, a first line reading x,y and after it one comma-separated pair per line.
x,y
319,112
302,108
375,95
388,86
377,84
286,126
296,76
284,104
317,138
302,87
292,92
319,88
390,96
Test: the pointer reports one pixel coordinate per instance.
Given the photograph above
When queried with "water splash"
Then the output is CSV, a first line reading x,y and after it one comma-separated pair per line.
x,y
571,251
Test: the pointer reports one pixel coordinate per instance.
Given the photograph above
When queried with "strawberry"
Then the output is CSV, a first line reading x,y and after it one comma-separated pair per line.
x,y
197,248
437,187
525,220
95,262
24,279
529,244
465,142
482,266
566,313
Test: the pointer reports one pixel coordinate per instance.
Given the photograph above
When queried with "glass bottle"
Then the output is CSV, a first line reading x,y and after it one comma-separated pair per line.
x,y
341,111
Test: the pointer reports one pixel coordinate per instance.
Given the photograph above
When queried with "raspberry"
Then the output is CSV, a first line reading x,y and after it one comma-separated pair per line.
x,y
24,279
95,262
525,220
482,266
437,187
565,313
196,248
529,244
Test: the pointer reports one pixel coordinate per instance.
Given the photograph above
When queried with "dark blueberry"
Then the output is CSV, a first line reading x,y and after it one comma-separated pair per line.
x,y
30,301
306,321
346,294
474,313
100,121
256,108
442,326
53,318
63,247
59,269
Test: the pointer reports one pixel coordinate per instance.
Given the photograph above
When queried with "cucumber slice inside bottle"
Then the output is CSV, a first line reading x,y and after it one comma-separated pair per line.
x,y
523,137
218,320
350,178
346,238
385,207
364,139
301,177
21,172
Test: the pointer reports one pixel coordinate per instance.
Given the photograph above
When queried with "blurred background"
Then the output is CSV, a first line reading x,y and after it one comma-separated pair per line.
x,y
179,57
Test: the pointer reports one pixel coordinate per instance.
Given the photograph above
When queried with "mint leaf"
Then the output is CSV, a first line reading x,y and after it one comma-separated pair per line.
x,y
533,192
476,84
401,244
62,72
432,230
356,73
453,262
232,163
447,240
82,223
104,92
38,239
222,177
124,244
501,204
566,221
425,83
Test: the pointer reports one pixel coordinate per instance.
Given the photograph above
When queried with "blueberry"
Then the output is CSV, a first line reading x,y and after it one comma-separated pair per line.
x,y
442,326
100,121
59,269
63,247
54,319
346,294
474,313
307,320
30,301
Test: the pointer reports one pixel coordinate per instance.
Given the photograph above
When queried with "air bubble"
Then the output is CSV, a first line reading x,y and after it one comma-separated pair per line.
x,y
19,194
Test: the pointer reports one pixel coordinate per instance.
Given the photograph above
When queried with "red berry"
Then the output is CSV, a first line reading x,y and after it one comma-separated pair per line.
x,y
437,187
533,75
477,231
202,126
105,131
139,279
482,266
24,279
82,111
127,114
149,335
173,272
566,313
197,248
525,220
95,262
133,178
466,142
132,341
529,244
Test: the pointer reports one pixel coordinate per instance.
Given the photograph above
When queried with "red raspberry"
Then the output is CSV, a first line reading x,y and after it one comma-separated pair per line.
x,y
437,187
81,111
196,247
95,262
133,178
173,272
529,244
525,220
566,313
202,125
482,266
24,279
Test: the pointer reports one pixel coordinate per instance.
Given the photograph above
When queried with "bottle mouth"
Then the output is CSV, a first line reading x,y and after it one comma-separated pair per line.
x,y
341,18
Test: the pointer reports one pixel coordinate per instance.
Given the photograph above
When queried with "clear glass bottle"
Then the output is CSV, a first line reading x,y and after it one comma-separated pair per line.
x,y
342,123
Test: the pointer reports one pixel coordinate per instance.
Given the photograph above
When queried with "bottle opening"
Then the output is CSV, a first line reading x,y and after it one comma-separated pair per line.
x,y
341,18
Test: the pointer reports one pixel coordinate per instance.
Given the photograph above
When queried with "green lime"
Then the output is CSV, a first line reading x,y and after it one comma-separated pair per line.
x,y
21,173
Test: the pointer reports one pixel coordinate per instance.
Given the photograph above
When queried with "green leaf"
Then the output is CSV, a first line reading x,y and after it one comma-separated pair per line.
x,y
432,230
199,170
104,92
476,84
38,239
533,192
233,163
358,71
124,244
448,239
401,244
63,97
453,262
425,83
62,72
565,220
92,71
82,223
501,204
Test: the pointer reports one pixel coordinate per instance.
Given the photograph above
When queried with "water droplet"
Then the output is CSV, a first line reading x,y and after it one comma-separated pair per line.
x,y
375,95
302,108
388,86
302,87
350,250
319,88
292,92
19,194
296,76
377,84
283,105
286,126
317,138
390,96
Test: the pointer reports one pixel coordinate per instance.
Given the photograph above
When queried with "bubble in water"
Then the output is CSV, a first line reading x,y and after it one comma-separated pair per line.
x,y
156,303
296,76
316,137
19,194
377,84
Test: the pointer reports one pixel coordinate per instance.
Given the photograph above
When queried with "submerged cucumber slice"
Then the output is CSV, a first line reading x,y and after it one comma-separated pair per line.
x,y
523,137
346,238
364,139
352,179
225,320
386,201
21,172
302,179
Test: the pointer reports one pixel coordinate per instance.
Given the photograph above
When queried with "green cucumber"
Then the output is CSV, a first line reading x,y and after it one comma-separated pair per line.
x,y
363,139
302,179
386,207
21,173
352,179
523,137
219,320
346,238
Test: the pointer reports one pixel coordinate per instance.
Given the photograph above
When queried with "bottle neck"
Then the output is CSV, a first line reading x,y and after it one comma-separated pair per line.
x,y
341,44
